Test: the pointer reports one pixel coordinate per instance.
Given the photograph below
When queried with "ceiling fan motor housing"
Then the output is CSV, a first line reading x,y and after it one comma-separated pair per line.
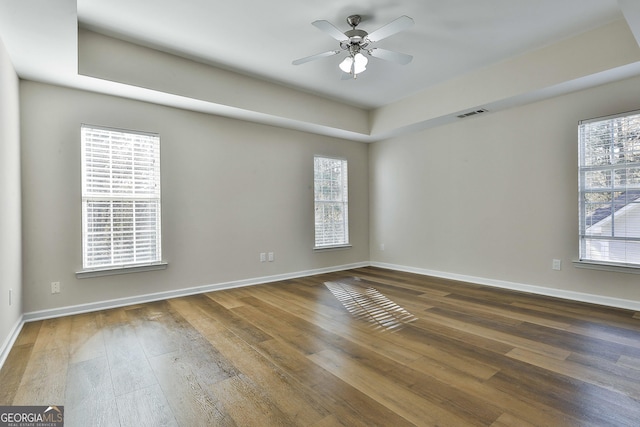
x,y
356,37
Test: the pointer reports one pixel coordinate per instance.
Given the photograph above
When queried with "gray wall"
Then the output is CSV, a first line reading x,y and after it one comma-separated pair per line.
x,y
494,197
10,238
230,190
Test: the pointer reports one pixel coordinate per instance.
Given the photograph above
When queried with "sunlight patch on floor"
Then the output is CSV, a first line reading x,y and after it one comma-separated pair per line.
x,y
367,303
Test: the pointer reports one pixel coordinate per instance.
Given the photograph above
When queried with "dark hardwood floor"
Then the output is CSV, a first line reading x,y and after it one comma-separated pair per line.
x,y
362,347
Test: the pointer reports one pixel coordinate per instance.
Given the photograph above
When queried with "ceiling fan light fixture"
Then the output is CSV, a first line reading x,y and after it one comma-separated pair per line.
x,y
355,64
355,41
345,65
360,63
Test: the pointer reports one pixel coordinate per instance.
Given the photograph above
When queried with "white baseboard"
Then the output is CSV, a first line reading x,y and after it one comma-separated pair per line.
x,y
540,290
102,305
7,345
121,302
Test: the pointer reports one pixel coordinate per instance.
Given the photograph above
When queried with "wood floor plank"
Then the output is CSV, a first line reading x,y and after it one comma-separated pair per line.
x,y
247,331
620,336
130,369
629,362
86,341
29,333
53,333
621,385
44,379
509,420
591,346
572,402
145,407
584,403
293,399
160,330
461,335
248,404
544,414
10,379
286,393
200,320
403,347
342,324
501,337
350,405
309,305
385,391
297,332
607,368
184,379
89,397
362,347
429,388
479,362
114,316
582,313
467,306
227,299
328,421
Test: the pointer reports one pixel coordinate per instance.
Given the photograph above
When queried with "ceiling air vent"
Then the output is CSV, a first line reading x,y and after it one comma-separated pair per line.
x,y
472,113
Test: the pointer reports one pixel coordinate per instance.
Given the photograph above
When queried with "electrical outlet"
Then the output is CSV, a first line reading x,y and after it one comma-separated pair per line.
x,y
263,256
556,264
271,256
55,287
382,246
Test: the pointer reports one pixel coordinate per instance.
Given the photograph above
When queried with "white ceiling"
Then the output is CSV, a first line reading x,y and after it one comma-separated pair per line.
x,y
260,38
450,39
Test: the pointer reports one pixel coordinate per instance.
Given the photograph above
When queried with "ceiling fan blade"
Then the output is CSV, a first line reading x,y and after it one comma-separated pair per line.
x,y
389,55
316,56
391,28
330,29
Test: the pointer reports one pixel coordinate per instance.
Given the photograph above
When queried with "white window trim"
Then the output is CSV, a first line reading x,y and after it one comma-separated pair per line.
x,y
120,269
338,246
123,268
594,264
332,248
607,266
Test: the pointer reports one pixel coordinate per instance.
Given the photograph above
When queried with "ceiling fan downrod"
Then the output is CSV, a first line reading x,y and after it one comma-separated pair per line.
x,y
354,20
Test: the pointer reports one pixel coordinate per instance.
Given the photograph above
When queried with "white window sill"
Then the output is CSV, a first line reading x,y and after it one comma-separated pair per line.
x,y
331,248
123,269
608,266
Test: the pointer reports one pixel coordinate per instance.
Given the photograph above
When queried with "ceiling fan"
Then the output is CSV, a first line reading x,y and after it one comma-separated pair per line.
x,y
358,42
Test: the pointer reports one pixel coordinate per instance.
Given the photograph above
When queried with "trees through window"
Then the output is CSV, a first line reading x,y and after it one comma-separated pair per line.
x,y
609,181
331,202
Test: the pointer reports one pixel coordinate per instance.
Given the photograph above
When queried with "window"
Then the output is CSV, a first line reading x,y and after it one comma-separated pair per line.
x,y
331,202
609,181
120,198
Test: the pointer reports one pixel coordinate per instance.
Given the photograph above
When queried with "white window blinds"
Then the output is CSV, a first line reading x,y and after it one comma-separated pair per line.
x,y
331,202
609,181
120,198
